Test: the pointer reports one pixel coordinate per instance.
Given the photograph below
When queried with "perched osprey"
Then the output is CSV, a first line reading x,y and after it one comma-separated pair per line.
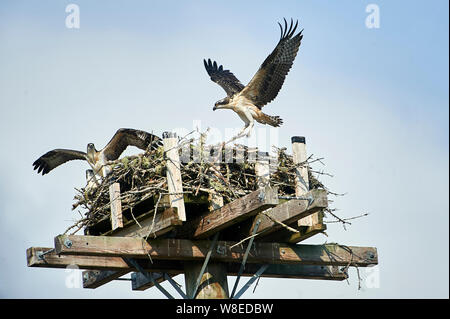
x,y
247,101
123,138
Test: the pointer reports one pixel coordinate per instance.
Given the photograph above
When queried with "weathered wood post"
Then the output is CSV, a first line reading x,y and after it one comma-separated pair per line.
x,y
174,183
213,284
116,206
302,180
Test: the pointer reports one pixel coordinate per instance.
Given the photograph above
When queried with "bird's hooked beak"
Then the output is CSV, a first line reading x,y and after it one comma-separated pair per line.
x,y
221,104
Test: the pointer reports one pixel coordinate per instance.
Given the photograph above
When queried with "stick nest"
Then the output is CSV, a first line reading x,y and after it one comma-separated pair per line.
x,y
143,176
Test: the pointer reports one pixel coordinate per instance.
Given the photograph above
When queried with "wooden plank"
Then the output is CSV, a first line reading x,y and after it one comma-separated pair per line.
x,y
184,249
116,206
174,182
287,213
52,260
234,212
94,279
114,267
163,223
62,261
293,271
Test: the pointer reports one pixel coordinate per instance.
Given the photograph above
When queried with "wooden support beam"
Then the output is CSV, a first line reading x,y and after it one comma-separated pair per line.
x,y
62,261
183,249
174,182
116,266
234,212
163,222
116,206
53,260
287,213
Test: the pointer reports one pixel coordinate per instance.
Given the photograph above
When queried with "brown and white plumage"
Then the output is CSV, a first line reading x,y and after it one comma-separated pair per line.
x,y
248,100
123,138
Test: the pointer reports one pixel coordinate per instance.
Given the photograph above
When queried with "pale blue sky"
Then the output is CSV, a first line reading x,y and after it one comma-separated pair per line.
x,y
372,102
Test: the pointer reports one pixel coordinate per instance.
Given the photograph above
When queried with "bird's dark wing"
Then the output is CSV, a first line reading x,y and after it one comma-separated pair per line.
x,y
54,158
267,82
125,137
224,78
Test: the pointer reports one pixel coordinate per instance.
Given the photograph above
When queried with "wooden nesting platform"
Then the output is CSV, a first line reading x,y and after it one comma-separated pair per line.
x,y
258,231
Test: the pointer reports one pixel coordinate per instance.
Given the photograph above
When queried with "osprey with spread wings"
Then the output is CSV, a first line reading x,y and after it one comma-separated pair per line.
x,y
98,160
247,101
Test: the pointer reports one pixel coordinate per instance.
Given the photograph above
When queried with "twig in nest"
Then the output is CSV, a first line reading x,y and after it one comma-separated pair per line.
x,y
132,215
281,223
342,220
154,216
244,240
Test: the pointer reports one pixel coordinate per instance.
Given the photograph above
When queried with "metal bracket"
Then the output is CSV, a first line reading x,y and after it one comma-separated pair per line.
x,y
244,260
221,250
205,263
250,281
41,254
133,263
175,285
67,243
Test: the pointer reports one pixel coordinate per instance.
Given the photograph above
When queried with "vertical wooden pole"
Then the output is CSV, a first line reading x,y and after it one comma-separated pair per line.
x,y
174,183
302,180
214,284
116,206
299,156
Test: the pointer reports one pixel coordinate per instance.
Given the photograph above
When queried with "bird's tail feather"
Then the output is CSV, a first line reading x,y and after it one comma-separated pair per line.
x,y
269,119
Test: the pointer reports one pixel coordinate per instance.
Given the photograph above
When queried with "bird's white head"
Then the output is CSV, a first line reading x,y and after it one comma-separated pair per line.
x,y
91,151
222,104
